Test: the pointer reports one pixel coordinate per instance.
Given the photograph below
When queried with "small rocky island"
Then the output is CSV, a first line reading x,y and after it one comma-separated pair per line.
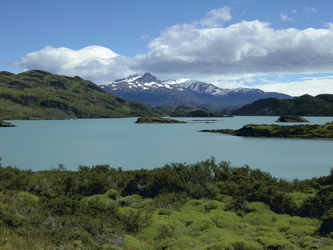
x,y
6,124
278,131
291,118
155,119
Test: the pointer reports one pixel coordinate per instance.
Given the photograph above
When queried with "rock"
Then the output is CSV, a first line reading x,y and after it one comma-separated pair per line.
x,y
6,124
291,118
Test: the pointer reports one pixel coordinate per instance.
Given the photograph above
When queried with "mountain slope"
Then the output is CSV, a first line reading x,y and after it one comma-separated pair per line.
x,y
306,105
148,89
38,94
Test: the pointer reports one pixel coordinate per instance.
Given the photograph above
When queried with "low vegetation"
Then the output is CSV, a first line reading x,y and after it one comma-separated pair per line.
x,y
206,205
324,131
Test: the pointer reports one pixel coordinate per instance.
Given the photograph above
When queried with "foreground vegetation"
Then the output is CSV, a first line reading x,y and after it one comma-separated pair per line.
x,y
206,205
38,94
316,131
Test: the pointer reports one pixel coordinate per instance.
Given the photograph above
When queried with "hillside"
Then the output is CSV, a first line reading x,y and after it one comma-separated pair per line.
x,y
150,90
306,105
38,94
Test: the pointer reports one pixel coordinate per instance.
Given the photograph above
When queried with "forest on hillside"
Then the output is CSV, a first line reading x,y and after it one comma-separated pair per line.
x,y
205,205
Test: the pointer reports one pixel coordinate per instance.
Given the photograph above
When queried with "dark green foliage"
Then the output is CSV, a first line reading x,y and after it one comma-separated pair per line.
x,y
38,94
100,206
324,131
306,105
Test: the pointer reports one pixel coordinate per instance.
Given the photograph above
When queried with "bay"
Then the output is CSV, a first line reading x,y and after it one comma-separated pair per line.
x,y
42,145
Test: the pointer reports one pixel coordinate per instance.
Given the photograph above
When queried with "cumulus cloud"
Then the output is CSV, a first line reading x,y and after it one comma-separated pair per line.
x,y
309,85
202,50
242,48
95,63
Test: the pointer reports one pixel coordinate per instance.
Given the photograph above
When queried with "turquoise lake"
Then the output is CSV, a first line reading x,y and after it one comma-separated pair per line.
x,y
41,145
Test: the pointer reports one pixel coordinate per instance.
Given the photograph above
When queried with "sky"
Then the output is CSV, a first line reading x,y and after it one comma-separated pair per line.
x,y
281,46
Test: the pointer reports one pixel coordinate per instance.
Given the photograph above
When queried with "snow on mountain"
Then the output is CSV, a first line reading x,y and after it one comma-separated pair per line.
x,y
137,83
148,82
148,89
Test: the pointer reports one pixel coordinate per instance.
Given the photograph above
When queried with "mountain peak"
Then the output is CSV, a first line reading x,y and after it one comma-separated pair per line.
x,y
149,77
152,91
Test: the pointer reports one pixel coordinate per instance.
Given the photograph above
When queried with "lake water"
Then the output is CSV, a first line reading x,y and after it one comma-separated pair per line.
x,y
41,145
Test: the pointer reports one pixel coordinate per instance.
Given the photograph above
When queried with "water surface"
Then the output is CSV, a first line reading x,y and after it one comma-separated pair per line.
x,y
41,145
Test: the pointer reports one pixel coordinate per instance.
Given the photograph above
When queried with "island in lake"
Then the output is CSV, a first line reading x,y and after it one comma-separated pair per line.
x,y
316,131
291,118
6,124
155,119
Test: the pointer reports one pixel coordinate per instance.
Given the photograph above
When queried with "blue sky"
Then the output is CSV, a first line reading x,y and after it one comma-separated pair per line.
x,y
283,46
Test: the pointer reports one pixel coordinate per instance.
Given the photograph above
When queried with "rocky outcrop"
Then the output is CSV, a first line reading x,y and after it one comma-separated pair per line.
x,y
291,118
6,124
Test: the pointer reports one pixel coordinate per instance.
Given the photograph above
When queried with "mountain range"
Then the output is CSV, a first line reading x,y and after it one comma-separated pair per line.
x,y
38,94
148,89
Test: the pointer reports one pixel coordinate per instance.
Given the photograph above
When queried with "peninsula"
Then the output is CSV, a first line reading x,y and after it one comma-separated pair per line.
x,y
155,119
316,131
6,124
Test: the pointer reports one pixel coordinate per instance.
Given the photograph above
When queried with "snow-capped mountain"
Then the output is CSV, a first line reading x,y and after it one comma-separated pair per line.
x,y
148,89
137,83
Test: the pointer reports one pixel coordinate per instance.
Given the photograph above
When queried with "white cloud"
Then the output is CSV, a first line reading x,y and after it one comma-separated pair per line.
x,y
242,48
95,63
310,9
144,37
311,85
329,25
204,51
216,17
285,17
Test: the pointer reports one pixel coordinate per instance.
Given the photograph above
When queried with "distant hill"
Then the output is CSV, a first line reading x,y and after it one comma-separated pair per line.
x,y
148,89
38,94
306,105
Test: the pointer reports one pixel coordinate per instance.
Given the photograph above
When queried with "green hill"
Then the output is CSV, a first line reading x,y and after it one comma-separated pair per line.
x,y
306,105
38,94
316,131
